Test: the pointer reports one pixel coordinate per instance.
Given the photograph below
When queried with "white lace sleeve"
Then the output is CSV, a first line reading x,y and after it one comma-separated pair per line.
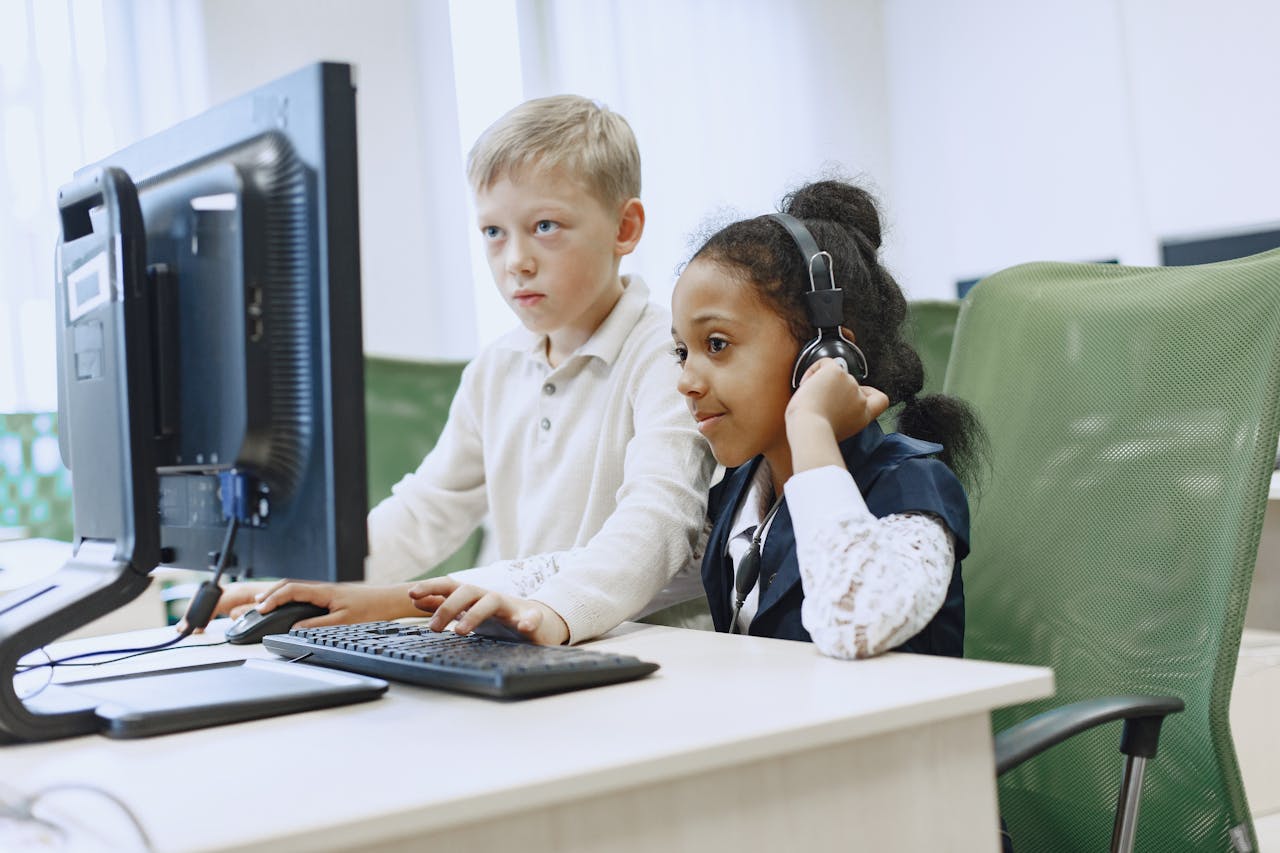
x,y
869,583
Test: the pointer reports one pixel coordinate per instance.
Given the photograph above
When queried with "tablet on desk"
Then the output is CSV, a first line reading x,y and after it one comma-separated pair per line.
x,y
173,700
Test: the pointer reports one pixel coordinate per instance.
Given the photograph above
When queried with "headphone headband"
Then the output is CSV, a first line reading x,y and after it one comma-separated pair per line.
x,y
825,306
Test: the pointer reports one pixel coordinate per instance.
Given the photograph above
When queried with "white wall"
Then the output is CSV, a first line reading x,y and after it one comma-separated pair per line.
x,y
1206,110
1082,131
732,102
417,300
995,131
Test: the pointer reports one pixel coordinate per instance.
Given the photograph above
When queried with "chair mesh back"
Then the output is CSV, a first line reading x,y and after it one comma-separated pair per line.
x,y
1132,414
930,327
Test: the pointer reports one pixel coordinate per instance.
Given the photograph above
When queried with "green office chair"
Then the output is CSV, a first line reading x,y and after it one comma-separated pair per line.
x,y
1133,417
406,406
929,328
931,324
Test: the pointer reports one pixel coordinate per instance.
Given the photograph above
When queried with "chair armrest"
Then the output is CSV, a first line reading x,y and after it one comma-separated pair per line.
x,y
1142,715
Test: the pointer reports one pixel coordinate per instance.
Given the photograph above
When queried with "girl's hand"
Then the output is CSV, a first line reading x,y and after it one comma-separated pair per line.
x,y
470,605
830,395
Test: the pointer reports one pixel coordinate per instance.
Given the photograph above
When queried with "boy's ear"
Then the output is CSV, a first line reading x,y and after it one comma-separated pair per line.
x,y
630,227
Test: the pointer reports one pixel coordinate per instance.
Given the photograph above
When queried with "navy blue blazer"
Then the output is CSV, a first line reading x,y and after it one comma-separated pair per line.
x,y
895,473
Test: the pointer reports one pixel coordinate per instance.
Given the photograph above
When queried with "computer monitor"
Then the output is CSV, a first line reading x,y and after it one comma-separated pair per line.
x,y
211,384
1220,246
249,213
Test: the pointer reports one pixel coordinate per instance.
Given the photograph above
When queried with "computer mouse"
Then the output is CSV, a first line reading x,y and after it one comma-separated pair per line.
x,y
253,626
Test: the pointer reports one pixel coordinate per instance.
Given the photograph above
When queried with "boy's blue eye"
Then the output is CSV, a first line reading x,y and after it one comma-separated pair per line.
x,y
491,232
545,226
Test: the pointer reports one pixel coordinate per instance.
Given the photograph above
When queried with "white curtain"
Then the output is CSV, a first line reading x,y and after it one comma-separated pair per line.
x,y
733,102
78,80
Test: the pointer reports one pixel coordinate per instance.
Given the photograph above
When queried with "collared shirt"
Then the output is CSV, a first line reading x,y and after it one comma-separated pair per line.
x,y
592,472
754,507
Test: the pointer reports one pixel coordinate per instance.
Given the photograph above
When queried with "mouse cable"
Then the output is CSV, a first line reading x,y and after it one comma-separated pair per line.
x,y
61,661
167,645
21,807
47,681
198,613
205,601
132,653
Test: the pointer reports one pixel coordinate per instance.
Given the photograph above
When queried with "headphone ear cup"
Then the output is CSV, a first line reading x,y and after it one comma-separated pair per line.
x,y
835,347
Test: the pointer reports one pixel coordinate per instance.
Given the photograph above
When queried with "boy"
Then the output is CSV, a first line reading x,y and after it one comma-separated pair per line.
x,y
568,431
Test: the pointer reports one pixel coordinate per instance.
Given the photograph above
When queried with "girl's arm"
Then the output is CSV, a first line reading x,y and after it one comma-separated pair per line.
x,y
870,584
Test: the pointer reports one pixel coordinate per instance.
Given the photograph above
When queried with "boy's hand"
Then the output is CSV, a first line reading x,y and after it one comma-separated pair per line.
x,y
470,605
346,602
829,394
239,597
236,598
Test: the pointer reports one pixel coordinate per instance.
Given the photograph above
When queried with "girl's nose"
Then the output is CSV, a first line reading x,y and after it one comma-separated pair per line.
x,y
690,383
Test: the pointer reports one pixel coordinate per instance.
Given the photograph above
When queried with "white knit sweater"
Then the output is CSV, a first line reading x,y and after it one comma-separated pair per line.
x,y
592,472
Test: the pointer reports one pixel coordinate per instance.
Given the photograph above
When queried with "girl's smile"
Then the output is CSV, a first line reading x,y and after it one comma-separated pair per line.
x,y
707,422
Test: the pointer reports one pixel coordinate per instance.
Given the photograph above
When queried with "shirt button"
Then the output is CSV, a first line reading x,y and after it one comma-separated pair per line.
x,y
545,423
548,389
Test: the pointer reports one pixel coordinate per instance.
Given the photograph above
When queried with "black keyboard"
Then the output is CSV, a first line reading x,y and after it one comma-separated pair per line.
x,y
466,664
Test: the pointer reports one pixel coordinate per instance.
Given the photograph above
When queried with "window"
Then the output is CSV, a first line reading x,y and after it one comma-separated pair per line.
x,y
75,85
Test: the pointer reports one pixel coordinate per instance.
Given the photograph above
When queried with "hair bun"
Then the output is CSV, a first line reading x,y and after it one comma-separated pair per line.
x,y
836,201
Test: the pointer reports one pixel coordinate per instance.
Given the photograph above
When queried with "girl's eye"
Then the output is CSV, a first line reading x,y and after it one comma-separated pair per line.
x,y
715,345
491,232
680,353
546,226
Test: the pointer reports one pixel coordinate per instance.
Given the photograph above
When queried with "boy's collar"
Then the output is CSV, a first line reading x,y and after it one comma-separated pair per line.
x,y
606,341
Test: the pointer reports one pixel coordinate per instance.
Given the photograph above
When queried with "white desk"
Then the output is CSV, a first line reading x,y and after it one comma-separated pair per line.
x,y
736,743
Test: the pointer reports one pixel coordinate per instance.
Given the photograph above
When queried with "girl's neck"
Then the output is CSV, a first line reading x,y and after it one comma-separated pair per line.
x,y
779,462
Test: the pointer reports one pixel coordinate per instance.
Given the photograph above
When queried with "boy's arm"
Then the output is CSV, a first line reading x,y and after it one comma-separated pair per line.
x,y
652,534
433,509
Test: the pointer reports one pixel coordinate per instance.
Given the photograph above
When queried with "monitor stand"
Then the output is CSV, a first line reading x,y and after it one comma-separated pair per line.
x,y
91,584
106,406
141,704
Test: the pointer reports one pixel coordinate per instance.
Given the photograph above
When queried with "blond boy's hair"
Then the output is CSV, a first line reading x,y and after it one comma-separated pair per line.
x,y
586,139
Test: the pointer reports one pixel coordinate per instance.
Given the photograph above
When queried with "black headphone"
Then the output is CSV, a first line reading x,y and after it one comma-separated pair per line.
x,y
825,308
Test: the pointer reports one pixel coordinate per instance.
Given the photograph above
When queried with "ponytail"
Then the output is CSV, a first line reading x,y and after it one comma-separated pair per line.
x,y
951,422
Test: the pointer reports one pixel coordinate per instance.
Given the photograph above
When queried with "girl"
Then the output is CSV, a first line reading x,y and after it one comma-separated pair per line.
x,y
824,528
